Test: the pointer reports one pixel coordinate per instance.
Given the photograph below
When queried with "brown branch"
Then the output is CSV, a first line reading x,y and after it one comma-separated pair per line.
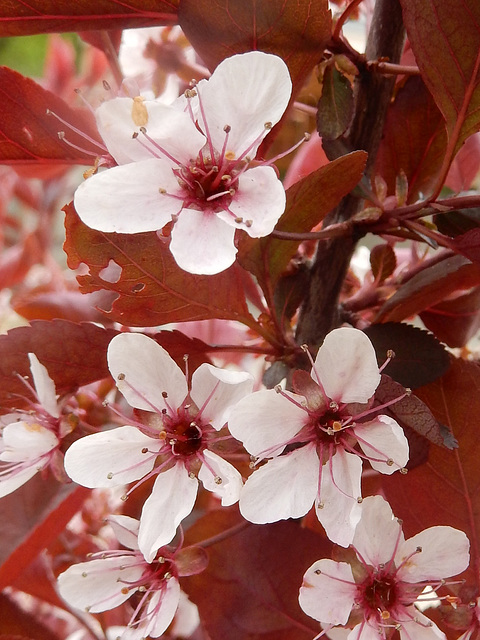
x,y
387,68
320,311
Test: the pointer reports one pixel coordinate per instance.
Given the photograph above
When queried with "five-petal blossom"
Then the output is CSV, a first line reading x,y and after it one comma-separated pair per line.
x,y
190,162
172,438
312,439
390,573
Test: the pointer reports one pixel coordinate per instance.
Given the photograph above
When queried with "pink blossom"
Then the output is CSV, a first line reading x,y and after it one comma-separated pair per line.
x,y
190,162
30,440
378,593
112,577
172,440
316,441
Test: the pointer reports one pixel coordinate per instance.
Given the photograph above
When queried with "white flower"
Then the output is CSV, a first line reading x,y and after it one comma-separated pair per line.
x,y
173,441
390,575
189,162
114,576
29,440
313,439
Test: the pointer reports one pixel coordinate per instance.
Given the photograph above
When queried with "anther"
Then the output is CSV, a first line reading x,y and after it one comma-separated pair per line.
x,y
278,388
218,480
164,394
106,86
121,376
124,590
109,475
226,177
142,588
143,130
317,572
145,450
268,125
238,220
403,470
191,475
227,128
84,574
419,549
390,353
135,135
360,500
389,462
162,190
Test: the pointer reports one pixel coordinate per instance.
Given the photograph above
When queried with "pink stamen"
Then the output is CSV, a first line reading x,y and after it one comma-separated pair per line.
x,y
157,146
82,134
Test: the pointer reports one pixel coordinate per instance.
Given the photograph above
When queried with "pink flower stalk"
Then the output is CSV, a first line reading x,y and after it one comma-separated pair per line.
x,y
112,577
30,440
172,441
316,441
378,594
190,163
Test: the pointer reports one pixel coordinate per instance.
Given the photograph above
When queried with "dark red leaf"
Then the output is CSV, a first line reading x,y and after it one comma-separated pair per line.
x,y
455,321
419,356
445,489
250,587
468,244
383,261
445,38
414,140
429,287
152,290
16,623
32,517
74,355
28,135
296,31
335,107
19,18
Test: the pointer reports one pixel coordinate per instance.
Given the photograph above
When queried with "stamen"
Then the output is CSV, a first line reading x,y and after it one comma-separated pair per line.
x,y
61,136
82,134
157,146
306,137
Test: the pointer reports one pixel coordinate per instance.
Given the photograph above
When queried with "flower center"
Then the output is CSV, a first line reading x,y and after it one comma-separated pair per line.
x,y
185,438
380,594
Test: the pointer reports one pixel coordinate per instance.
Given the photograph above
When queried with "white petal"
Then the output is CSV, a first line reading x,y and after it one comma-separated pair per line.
x,y
202,243
44,386
444,553
245,91
378,532
339,493
127,198
125,529
285,487
169,127
162,608
347,366
366,631
149,372
260,199
172,499
383,439
111,458
97,585
187,617
265,421
424,629
12,479
215,390
26,441
231,481
328,592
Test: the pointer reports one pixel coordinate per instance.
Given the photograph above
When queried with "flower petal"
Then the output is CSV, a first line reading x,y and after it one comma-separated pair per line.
x,y
346,366
127,199
202,243
381,440
125,529
111,458
97,585
339,493
172,129
259,199
22,441
285,487
231,481
419,628
328,592
12,478
366,630
444,553
245,91
215,390
172,499
44,386
148,373
378,533
265,422
162,608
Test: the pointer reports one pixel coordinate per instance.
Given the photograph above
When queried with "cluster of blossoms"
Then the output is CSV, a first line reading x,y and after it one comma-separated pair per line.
x,y
190,165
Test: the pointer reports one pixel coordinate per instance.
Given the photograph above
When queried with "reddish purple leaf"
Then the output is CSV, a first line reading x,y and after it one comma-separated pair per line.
x,y
445,38
18,17
296,31
74,354
456,320
468,245
151,288
429,287
249,590
28,135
